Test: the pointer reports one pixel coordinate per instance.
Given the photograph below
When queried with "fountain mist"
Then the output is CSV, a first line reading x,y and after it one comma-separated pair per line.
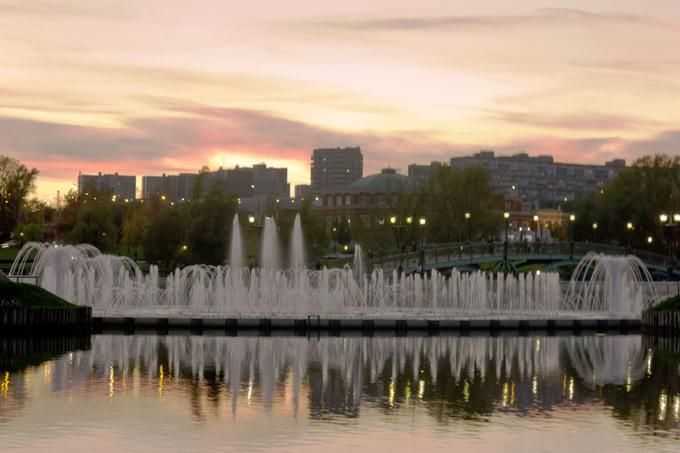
x,y
269,252
236,247
297,246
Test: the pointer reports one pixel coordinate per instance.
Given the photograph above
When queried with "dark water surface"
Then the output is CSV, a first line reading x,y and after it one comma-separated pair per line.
x,y
464,393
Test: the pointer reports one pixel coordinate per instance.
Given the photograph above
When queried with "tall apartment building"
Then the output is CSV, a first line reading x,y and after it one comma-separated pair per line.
x,y
242,182
332,168
421,173
174,187
119,185
540,181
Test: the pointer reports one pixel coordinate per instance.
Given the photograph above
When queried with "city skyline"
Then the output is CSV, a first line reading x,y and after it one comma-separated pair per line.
x,y
150,87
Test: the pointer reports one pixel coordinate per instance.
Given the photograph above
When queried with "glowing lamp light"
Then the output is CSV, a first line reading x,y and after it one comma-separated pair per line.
x,y
251,219
409,220
393,220
506,215
663,218
422,221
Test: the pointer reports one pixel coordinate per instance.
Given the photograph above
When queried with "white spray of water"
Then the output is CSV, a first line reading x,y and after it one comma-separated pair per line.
x,y
269,253
236,246
297,245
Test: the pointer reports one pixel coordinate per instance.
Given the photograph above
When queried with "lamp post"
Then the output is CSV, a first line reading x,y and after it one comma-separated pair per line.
x,y
572,219
467,218
668,224
630,228
422,222
506,216
537,226
398,226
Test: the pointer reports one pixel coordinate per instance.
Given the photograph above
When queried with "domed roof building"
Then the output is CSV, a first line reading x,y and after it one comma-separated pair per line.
x,y
371,197
388,180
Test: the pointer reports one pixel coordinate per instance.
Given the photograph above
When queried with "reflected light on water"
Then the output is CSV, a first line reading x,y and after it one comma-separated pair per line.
x,y
251,391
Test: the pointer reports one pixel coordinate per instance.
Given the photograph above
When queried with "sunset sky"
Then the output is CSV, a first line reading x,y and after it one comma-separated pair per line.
x,y
149,86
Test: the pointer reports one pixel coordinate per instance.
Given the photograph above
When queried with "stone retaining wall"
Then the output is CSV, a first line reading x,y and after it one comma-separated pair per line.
x,y
21,318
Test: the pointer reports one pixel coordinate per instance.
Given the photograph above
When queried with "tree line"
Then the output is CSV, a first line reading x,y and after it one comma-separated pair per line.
x,y
457,204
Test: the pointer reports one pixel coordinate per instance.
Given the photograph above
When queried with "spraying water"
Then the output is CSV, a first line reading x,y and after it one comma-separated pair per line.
x,y
602,286
236,247
297,246
615,285
269,254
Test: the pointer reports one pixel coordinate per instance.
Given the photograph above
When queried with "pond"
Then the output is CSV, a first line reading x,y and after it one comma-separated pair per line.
x,y
182,392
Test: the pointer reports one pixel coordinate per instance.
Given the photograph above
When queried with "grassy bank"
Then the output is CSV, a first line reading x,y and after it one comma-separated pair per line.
x,y
21,295
670,304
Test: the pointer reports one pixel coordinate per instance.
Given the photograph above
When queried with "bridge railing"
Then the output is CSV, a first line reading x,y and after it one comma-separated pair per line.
x,y
474,251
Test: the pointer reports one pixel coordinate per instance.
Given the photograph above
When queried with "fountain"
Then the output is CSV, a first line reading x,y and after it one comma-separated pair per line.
x,y
602,287
269,253
618,286
297,246
236,245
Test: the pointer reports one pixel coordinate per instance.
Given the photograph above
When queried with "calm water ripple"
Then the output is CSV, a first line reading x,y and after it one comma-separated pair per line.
x,y
217,393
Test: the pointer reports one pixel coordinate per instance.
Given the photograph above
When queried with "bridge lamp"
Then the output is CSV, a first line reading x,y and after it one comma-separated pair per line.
x,y
251,219
393,220
422,221
409,220
663,218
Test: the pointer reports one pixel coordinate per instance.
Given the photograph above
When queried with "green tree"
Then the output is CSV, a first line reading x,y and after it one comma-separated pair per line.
x,y
135,226
29,232
16,181
163,241
94,225
637,195
314,229
210,227
449,194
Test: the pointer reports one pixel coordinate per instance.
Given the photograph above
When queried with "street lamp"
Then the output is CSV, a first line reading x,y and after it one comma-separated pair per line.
x,y
422,222
506,216
572,219
668,226
630,227
467,218
537,226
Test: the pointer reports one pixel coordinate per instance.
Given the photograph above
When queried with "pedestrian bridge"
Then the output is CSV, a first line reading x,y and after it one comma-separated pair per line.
x,y
520,255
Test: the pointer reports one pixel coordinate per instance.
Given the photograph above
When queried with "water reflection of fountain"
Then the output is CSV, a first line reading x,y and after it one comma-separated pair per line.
x,y
115,286
512,371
